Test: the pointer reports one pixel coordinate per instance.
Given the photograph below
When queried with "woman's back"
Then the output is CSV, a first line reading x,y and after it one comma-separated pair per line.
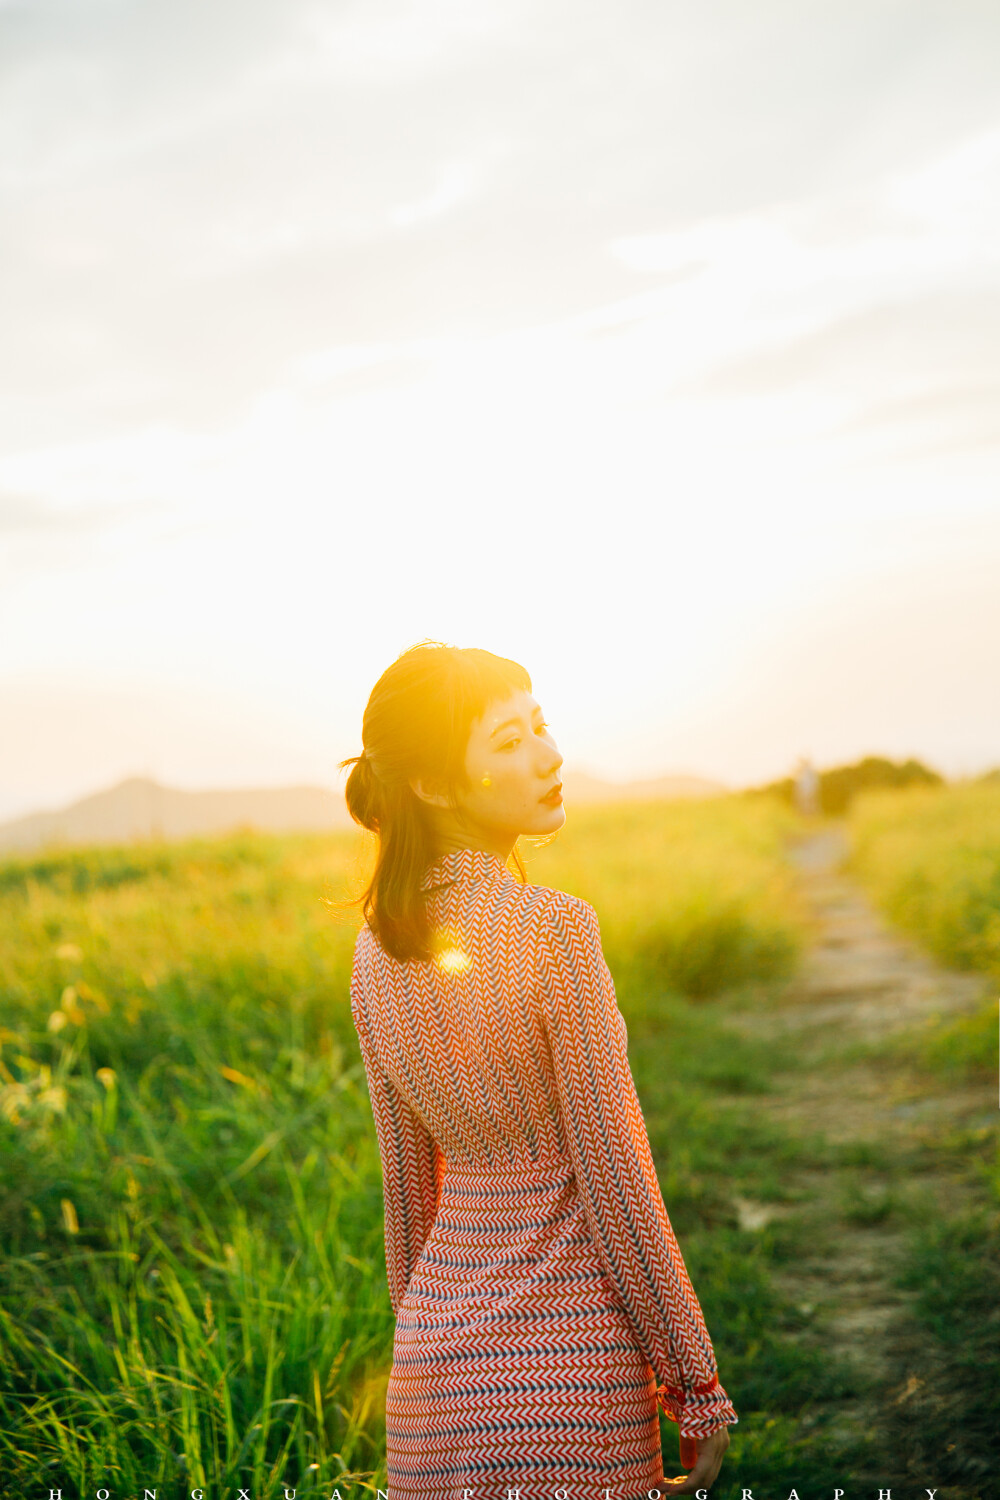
x,y
540,1295
463,1034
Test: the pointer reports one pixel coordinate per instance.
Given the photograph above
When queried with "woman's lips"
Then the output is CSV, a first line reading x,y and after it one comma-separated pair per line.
x,y
554,797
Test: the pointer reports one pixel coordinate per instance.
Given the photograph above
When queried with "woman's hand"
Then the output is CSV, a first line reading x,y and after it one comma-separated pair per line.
x,y
711,1451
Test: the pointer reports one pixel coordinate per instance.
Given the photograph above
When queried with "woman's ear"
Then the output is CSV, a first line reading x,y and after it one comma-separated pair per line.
x,y
428,792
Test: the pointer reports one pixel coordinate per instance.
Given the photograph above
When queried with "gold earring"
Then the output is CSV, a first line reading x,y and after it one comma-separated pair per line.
x,y
487,781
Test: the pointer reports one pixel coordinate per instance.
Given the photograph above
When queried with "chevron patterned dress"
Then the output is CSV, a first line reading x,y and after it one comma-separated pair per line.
x,y
542,1304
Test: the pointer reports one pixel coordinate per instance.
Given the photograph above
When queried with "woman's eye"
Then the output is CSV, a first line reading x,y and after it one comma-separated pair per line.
x,y
542,729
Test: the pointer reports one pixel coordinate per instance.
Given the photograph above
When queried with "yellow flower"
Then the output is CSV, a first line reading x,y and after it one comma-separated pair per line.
x,y
13,1098
235,1076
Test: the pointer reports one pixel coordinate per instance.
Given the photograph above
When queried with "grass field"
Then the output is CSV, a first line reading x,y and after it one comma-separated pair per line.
x,y
193,1278
193,1284
931,860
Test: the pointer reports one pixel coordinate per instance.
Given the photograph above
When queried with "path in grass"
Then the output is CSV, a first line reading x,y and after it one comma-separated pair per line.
x,y
889,1135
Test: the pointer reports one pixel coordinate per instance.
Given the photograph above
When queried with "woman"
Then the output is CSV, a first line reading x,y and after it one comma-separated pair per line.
x,y
542,1304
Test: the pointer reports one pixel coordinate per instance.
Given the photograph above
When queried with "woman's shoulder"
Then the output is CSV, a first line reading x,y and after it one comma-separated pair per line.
x,y
553,907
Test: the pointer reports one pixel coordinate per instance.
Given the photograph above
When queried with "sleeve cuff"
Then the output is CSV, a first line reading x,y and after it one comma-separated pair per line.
x,y
698,1410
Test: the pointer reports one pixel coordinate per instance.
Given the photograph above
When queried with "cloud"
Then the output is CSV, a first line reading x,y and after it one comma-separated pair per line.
x,y
916,230
382,42
881,305
23,516
452,184
198,195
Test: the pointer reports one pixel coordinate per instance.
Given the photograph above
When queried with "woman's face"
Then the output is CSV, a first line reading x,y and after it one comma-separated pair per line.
x,y
512,762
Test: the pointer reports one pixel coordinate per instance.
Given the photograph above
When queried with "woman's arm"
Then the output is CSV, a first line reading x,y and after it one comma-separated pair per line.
x,y
411,1168
607,1141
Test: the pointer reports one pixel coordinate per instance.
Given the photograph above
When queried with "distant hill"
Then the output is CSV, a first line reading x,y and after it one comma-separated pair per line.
x,y
141,809
138,808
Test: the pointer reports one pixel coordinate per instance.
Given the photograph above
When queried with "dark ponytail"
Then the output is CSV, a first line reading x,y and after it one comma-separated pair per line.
x,y
417,724
362,792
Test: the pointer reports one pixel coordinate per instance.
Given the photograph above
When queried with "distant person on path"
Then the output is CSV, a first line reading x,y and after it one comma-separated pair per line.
x,y
543,1307
806,788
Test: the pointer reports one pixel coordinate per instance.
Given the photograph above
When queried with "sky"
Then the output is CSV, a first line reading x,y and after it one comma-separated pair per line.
x,y
652,345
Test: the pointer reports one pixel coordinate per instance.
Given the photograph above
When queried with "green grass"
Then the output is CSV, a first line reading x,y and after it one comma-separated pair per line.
x,y
190,1200
945,1417
691,896
193,1283
931,861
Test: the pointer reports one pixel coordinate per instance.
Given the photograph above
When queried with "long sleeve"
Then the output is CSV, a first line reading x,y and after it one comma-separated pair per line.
x,y
609,1146
411,1169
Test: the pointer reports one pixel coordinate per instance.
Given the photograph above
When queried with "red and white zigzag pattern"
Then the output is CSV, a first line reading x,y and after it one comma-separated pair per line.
x,y
542,1302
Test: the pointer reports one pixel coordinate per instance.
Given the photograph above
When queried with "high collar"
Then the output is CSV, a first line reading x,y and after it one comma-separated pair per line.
x,y
460,865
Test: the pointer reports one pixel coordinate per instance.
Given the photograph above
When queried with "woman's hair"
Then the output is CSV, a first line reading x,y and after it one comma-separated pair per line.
x,y
417,724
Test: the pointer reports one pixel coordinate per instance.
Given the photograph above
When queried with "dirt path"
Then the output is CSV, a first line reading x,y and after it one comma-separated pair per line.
x,y
862,983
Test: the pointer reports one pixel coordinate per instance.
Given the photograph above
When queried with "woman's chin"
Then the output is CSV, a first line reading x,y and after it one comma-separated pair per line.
x,y
551,818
